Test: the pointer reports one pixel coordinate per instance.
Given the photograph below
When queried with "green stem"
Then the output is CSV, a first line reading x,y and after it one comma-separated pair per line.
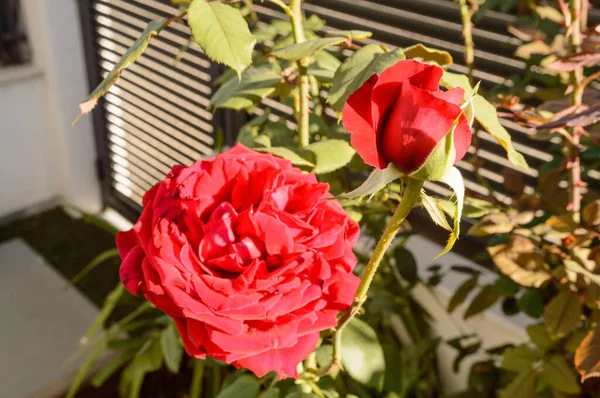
x,y
197,378
465,15
295,14
409,200
576,100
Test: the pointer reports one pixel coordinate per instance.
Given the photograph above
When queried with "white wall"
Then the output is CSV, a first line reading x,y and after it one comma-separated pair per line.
x,y
493,326
27,167
41,155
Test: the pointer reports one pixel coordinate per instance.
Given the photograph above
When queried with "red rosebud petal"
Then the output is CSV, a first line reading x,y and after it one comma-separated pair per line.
x,y
357,119
418,122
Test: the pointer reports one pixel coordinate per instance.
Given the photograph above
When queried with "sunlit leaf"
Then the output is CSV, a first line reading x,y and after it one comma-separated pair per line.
x,y
539,336
562,315
330,155
584,118
486,115
362,355
305,49
587,355
255,84
454,179
354,71
222,33
375,182
560,375
496,223
298,156
520,263
132,54
575,61
522,386
440,57
520,358
434,211
525,51
356,35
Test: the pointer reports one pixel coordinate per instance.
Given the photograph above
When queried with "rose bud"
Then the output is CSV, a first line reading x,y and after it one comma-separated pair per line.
x,y
402,117
251,257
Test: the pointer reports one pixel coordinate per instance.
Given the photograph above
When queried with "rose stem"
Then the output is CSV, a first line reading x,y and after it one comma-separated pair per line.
x,y
576,100
410,198
465,15
294,12
197,378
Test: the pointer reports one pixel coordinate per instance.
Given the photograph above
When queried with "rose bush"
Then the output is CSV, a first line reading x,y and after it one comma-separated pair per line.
x,y
401,116
251,257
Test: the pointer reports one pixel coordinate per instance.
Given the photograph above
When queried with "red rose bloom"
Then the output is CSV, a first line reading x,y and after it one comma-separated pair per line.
x,y
249,255
400,117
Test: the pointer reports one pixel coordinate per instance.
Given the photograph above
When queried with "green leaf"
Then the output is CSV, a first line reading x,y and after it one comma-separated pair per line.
x,y
171,347
305,49
436,214
357,35
376,181
473,208
330,155
520,358
324,66
99,259
539,336
130,56
357,69
427,54
362,355
486,115
506,287
271,393
559,374
531,303
298,156
255,84
297,394
454,179
109,305
245,386
222,33
406,264
563,314
106,372
148,359
522,386
85,368
486,297
462,292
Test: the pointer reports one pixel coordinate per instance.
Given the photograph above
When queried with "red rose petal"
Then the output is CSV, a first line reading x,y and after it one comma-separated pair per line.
x,y
131,270
285,360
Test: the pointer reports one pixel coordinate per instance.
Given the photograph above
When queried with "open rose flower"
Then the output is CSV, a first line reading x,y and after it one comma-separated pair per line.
x,y
401,116
249,255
